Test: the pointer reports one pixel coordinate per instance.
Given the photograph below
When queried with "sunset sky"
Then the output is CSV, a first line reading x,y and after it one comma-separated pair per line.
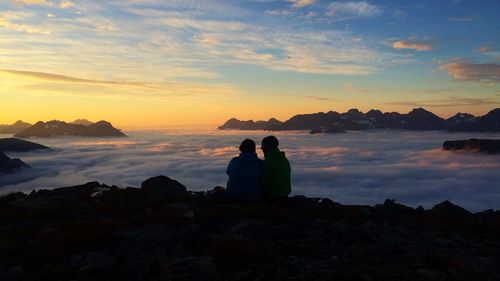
x,y
147,63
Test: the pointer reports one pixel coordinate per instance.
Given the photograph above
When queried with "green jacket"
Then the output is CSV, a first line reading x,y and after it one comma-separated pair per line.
x,y
276,174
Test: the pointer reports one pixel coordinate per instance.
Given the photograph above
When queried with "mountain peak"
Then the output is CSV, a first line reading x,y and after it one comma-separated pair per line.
x,y
82,121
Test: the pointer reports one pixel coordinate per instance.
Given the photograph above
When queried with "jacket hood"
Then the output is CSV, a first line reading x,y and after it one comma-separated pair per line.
x,y
275,153
248,156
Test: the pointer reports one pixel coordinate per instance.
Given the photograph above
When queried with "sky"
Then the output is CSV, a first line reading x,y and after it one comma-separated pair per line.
x,y
154,63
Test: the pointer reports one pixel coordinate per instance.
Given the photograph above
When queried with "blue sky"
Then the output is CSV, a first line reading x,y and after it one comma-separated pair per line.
x,y
210,60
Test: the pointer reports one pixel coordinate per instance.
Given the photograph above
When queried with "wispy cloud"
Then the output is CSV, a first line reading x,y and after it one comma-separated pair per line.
x,y
30,2
63,4
462,19
352,10
485,49
301,3
63,78
10,21
465,70
39,82
418,46
452,101
66,4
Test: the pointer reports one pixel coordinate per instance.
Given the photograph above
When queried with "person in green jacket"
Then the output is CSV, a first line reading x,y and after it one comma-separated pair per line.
x,y
275,170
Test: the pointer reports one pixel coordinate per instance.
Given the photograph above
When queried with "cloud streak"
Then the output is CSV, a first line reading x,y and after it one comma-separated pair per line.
x,y
301,3
464,70
66,85
353,10
449,102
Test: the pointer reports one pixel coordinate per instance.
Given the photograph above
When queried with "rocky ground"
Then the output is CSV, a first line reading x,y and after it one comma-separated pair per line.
x,y
163,232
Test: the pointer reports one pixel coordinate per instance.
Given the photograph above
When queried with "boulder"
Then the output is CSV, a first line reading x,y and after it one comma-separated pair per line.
x,y
162,186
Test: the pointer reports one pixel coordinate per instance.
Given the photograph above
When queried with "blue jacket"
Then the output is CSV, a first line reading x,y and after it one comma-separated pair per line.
x,y
244,174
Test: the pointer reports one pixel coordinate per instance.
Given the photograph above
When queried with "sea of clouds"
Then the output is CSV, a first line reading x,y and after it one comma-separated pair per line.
x,y
354,168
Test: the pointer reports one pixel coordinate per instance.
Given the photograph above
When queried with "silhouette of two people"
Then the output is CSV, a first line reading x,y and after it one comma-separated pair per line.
x,y
251,178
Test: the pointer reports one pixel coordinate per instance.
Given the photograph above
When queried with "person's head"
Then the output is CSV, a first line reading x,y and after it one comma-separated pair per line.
x,y
269,143
247,145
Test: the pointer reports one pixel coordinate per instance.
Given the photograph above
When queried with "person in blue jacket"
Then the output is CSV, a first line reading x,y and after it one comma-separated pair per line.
x,y
244,174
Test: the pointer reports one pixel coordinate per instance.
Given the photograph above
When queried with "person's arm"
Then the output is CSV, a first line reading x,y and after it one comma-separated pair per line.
x,y
267,174
230,167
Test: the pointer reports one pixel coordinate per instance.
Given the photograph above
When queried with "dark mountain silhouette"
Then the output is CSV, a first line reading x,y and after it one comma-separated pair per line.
x,y
461,122
421,119
14,128
489,122
417,119
307,121
236,124
60,128
8,165
18,145
83,122
162,231
481,145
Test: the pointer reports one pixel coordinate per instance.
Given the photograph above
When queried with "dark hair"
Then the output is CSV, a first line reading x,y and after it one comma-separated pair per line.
x,y
270,141
247,145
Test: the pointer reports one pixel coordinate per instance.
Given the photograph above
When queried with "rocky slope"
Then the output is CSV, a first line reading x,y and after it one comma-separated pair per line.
x,y
163,232
59,128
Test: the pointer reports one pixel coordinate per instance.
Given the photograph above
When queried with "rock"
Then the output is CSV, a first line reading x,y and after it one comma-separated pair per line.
x,y
18,145
432,275
446,208
15,273
189,268
162,186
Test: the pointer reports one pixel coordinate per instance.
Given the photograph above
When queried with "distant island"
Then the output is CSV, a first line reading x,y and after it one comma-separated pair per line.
x,y
8,165
18,145
334,122
480,145
14,128
56,128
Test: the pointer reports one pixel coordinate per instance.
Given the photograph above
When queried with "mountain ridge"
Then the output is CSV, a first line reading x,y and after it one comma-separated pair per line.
x,y
56,128
353,119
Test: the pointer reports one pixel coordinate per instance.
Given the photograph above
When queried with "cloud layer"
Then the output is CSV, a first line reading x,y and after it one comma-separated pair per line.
x,y
361,9
464,70
353,168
